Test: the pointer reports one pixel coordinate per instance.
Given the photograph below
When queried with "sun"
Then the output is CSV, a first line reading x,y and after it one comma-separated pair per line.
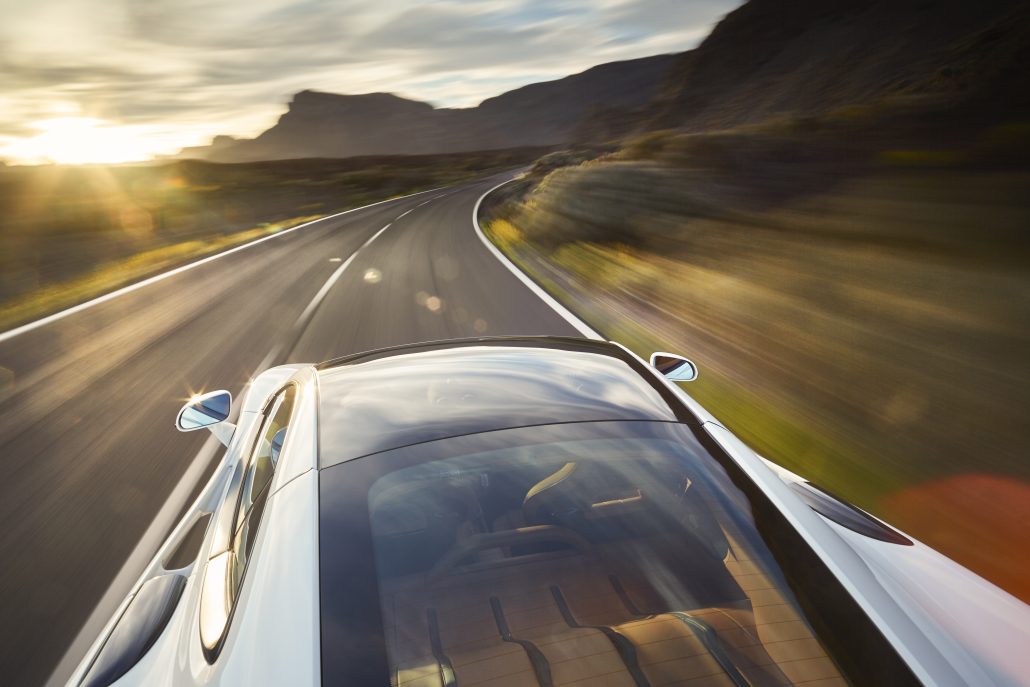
x,y
82,140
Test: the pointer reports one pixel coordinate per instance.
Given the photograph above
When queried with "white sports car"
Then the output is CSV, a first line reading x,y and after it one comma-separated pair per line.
x,y
531,511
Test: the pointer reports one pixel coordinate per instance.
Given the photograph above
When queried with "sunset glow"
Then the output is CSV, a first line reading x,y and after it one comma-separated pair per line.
x,y
82,140
95,82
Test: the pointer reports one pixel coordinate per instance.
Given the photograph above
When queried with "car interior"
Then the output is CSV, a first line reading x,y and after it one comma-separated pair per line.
x,y
587,562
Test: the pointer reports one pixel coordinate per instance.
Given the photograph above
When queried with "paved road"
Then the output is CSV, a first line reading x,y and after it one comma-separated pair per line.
x,y
89,454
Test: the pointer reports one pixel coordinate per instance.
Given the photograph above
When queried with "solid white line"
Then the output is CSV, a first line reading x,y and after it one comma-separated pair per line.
x,y
322,292
580,326
11,333
375,235
267,361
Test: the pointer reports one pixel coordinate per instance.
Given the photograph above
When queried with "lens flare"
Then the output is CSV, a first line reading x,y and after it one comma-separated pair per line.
x,y
83,140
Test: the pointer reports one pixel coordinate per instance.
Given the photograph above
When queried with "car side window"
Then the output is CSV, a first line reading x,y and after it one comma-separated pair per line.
x,y
225,571
265,455
256,481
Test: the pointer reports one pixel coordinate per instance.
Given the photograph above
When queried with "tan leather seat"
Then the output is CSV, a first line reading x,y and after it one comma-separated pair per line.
x,y
465,611
594,616
472,607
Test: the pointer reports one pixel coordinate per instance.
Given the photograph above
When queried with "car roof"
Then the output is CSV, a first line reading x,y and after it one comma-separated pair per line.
x,y
406,395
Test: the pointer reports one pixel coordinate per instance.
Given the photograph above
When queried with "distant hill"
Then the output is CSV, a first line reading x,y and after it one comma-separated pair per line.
x,y
542,114
936,62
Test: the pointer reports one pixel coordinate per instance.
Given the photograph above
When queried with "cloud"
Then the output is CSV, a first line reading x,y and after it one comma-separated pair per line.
x,y
657,17
195,68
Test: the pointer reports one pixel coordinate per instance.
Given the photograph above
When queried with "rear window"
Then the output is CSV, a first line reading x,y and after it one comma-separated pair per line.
x,y
596,553
400,400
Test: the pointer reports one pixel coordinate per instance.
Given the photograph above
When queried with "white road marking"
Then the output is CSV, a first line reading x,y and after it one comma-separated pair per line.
x,y
375,236
580,326
403,213
308,311
11,333
267,361
322,292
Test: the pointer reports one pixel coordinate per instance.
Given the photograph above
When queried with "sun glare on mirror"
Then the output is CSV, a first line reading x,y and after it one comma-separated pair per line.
x,y
81,140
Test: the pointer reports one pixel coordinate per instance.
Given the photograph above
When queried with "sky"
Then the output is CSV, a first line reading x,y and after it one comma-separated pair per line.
x,y
118,80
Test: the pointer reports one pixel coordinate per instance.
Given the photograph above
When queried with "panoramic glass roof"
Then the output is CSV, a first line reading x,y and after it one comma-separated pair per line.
x,y
431,394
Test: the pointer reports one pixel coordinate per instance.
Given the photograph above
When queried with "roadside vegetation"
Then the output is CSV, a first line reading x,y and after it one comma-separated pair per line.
x,y
68,234
858,302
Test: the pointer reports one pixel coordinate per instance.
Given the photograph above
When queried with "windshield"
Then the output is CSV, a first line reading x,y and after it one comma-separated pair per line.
x,y
596,553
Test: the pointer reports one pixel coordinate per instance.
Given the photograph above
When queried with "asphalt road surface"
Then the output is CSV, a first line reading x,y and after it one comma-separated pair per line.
x,y
93,471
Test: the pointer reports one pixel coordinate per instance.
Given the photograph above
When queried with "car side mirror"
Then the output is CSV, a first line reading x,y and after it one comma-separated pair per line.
x,y
207,410
674,367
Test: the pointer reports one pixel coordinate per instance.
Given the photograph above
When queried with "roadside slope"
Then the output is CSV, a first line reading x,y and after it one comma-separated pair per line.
x,y
868,334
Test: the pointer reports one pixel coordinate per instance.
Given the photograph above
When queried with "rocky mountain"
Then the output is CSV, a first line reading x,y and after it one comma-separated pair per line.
x,y
330,125
929,60
769,58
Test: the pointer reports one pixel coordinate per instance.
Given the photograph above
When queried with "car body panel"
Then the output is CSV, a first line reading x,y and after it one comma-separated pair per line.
x,y
265,384
300,452
155,666
910,640
948,624
983,631
273,636
975,623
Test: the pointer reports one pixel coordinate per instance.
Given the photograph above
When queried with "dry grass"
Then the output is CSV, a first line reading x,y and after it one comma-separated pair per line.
x,y
116,274
70,233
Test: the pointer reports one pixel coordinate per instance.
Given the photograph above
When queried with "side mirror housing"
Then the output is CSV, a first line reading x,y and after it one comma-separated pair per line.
x,y
674,367
209,410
